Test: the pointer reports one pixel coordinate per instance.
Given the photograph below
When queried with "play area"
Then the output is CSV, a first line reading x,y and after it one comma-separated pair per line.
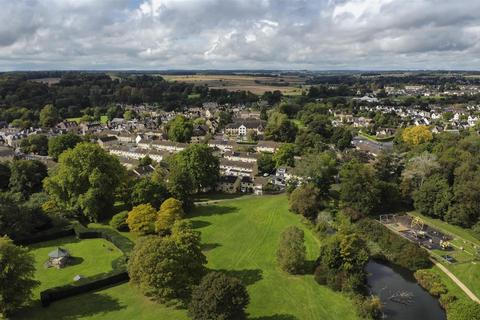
x,y
448,248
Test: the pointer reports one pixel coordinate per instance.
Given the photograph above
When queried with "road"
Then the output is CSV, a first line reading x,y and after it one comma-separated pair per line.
x,y
459,283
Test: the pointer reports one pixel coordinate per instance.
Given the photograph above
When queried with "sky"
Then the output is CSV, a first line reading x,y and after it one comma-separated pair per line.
x,y
239,34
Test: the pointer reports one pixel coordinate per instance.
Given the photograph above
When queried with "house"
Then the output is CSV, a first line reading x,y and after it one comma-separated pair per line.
x,y
244,126
106,141
166,145
68,125
223,145
144,171
237,168
246,184
228,184
241,156
267,146
6,154
259,185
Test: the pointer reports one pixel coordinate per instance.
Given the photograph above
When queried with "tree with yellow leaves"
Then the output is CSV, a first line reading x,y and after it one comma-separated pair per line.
x,y
417,135
170,211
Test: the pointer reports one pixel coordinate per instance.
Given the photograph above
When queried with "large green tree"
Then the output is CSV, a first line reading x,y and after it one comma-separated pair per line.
x,y
49,116
218,296
306,200
285,155
4,175
433,197
169,267
58,144
145,190
85,181
359,188
180,129
35,143
319,169
17,271
192,170
27,176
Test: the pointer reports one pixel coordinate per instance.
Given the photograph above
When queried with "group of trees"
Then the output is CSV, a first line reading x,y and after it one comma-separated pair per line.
x,y
145,219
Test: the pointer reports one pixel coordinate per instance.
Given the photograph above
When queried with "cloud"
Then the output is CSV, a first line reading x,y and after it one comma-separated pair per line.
x,y
286,34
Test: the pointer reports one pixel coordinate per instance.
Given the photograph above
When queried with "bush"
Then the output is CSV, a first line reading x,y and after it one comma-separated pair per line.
x,y
219,297
141,219
431,282
394,248
464,310
119,221
291,251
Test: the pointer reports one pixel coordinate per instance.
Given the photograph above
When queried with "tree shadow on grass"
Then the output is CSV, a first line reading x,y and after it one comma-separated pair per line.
x,y
54,243
210,246
73,261
198,224
212,210
247,276
275,317
86,305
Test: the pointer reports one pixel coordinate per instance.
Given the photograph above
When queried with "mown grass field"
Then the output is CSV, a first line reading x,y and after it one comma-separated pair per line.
x,y
240,237
255,84
103,119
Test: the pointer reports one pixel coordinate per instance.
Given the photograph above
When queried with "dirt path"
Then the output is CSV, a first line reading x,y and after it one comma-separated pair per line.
x,y
459,283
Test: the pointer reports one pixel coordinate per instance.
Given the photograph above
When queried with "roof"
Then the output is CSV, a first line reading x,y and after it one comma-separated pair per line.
x,y
228,179
58,253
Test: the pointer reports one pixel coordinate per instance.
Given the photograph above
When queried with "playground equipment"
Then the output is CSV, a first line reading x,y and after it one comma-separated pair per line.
x,y
417,222
445,245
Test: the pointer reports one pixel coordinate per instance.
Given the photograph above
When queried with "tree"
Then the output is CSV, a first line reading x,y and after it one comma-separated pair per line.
x,y
119,221
279,128
180,129
265,163
305,200
27,176
342,137
167,268
192,170
4,176
433,197
85,181
129,115
58,144
291,253
417,135
285,155
170,211
49,116
417,170
359,189
145,190
218,296
145,161
319,169
17,270
141,219
35,143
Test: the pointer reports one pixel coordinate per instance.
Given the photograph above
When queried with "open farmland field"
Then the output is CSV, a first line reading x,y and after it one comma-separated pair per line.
x,y
254,84
240,237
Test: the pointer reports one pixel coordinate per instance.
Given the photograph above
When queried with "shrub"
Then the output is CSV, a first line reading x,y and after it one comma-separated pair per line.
x,y
464,310
291,252
119,221
431,282
219,297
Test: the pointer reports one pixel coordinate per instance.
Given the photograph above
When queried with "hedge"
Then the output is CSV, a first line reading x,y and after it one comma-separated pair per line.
x,y
46,236
57,293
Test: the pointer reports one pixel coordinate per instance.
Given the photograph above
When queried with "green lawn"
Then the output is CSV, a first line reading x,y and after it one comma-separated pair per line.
x,y
240,236
90,257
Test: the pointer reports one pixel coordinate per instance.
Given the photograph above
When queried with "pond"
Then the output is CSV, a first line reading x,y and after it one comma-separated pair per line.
x,y
402,297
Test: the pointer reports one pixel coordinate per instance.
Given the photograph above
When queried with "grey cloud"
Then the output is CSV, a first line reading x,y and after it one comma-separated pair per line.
x,y
317,34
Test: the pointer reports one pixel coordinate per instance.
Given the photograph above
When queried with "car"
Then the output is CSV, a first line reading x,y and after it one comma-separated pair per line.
x,y
449,259
266,174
